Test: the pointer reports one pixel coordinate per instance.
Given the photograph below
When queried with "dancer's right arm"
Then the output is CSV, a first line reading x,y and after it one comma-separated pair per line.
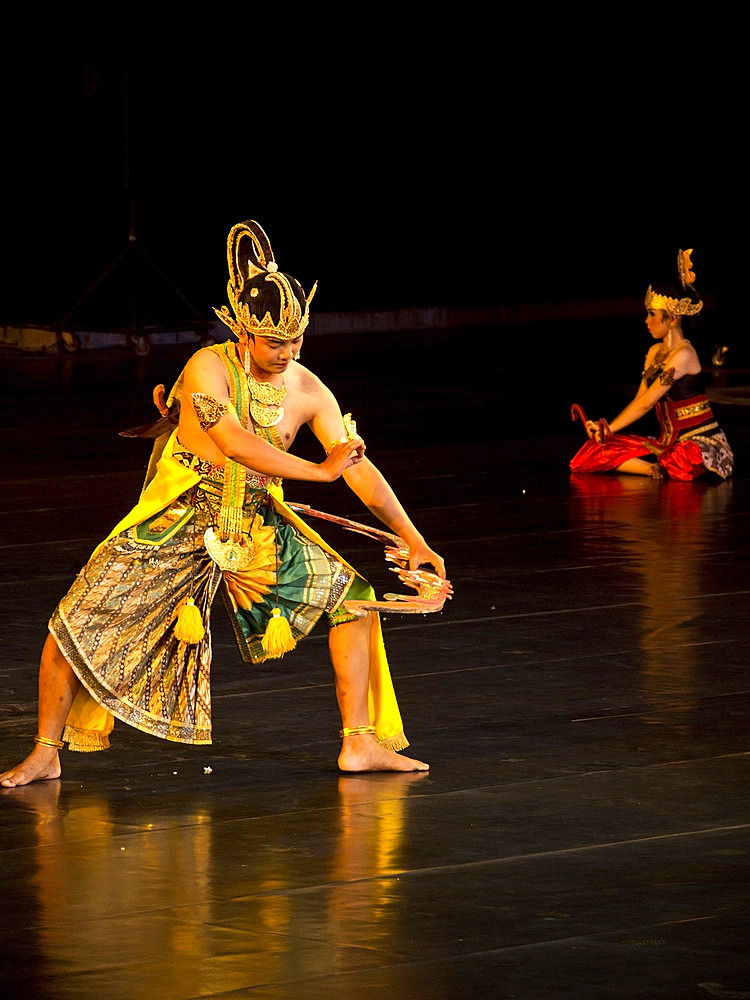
x,y
204,374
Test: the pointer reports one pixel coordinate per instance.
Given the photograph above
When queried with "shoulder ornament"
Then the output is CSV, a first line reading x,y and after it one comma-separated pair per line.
x,y
208,410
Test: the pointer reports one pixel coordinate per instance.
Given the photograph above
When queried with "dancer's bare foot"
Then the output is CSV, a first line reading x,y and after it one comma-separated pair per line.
x,y
42,764
364,753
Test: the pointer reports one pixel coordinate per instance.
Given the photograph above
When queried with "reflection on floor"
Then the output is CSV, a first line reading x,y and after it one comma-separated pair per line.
x,y
584,831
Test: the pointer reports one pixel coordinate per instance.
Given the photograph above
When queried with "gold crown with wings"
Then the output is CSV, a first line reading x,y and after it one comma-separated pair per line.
x,y
249,256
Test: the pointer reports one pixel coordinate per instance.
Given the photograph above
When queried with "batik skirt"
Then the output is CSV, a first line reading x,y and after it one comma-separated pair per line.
x,y
115,625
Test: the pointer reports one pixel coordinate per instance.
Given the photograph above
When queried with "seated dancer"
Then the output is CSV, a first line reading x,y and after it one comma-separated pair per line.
x,y
131,638
691,442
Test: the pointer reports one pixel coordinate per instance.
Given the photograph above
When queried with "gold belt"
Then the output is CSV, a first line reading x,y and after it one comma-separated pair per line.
x,y
683,412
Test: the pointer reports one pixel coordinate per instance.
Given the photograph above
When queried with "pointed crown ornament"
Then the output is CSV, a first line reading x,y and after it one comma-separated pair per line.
x,y
249,256
677,307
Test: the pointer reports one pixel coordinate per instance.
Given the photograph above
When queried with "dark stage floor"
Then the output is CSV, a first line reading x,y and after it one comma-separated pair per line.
x,y
585,829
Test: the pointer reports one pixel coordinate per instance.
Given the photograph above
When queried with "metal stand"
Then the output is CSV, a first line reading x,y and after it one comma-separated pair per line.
x,y
135,332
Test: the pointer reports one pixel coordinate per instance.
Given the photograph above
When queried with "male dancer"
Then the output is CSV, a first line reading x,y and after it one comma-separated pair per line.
x,y
131,638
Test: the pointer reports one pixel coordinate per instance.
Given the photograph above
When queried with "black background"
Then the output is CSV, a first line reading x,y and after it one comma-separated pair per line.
x,y
434,165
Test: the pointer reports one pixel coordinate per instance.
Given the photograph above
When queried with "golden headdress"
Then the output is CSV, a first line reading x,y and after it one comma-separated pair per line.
x,y
249,256
677,307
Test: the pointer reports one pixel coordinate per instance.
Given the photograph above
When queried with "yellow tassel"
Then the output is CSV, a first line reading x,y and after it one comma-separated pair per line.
x,y
278,638
189,628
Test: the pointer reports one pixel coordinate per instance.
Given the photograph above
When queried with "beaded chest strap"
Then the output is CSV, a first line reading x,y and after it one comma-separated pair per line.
x,y
227,546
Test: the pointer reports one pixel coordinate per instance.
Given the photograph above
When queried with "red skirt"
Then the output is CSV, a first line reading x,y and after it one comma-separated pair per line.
x,y
681,460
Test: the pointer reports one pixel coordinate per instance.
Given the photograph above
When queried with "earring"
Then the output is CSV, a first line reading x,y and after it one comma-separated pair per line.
x,y
295,357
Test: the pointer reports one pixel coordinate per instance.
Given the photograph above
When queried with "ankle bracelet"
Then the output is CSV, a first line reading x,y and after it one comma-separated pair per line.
x,y
42,741
357,731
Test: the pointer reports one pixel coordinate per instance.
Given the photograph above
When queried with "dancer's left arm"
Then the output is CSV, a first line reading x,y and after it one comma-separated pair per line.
x,y
373,489
377,495
675,366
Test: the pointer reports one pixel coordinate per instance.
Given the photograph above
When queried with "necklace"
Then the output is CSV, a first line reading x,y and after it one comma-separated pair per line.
x,y
265,401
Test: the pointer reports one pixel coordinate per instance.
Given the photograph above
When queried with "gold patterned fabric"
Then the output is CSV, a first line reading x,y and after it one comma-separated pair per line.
x,y
115,628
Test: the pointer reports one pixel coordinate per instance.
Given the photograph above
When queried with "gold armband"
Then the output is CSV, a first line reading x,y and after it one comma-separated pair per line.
x,y
350,427
208,410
